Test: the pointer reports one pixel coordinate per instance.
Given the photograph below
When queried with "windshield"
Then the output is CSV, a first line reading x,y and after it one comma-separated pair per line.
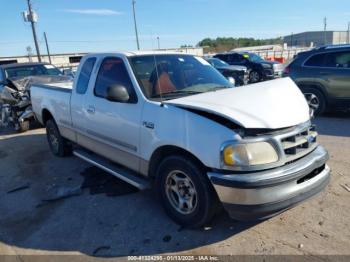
x,y
32,70
171,76
217,62
253,57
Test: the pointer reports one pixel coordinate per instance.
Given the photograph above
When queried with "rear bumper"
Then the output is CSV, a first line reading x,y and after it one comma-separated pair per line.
x,y
260,195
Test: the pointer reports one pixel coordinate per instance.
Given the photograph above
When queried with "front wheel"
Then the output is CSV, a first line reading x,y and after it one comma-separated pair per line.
x,y
185,191
59,145
254,77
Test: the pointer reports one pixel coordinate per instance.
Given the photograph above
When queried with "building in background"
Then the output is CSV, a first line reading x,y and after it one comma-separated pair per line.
x,y
317,38
259,48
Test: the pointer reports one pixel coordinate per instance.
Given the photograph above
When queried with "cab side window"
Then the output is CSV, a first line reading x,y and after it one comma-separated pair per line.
x,y
113,72
84,77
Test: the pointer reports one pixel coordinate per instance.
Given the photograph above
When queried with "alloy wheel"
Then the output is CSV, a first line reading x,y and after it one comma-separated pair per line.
x,y
181,192
254,77
312,100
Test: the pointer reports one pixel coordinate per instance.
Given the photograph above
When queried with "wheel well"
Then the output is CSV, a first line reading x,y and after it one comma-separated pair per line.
x,y
46,115
319,88
164,151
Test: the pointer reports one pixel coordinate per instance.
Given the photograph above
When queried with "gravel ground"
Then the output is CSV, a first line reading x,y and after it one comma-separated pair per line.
x,y
110,218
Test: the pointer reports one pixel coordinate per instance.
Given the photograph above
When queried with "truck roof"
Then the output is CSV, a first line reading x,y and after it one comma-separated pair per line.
x,y
138,53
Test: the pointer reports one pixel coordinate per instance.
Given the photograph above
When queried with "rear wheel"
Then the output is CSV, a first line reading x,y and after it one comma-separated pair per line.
x,y
59,146
315,100
185,191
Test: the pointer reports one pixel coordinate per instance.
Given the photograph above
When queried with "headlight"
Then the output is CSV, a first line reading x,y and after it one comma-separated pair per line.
x,y
267,66
250,154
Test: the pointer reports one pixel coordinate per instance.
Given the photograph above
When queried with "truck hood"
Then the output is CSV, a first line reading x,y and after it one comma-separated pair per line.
x,y
272,105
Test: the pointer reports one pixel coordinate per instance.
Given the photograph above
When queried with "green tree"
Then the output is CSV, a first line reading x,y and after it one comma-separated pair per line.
x,y
227,43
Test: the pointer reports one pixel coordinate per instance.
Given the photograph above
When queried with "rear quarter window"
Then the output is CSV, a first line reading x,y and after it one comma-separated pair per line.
x,y
85,74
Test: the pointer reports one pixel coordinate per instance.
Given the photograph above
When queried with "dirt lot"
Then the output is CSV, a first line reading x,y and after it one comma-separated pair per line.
x,y
109,218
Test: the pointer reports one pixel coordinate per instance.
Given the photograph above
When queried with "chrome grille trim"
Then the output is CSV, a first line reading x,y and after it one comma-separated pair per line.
x,y
299,144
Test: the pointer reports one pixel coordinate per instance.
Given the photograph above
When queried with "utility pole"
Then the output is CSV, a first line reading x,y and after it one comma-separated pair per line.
x,y
47,48
325,30
32,21
348,40
29,51
158,42
137,36
291,39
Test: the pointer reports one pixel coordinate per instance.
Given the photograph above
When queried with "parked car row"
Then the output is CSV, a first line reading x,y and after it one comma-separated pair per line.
x,y
322,74
259,69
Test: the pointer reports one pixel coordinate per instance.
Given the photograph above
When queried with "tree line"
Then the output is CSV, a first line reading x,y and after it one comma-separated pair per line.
x,y
221,44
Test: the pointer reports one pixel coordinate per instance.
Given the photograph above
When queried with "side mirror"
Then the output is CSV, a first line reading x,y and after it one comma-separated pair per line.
x,y
118,93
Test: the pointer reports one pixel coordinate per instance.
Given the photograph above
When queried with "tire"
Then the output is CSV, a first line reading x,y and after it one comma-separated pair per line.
x,y
189,176
59,146
254,77
315,100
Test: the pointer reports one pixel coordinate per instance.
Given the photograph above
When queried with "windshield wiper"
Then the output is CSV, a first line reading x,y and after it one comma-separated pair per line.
x,y
177,92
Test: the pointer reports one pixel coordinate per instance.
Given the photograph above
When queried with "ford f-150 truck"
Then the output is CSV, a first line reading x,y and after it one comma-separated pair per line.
x,y
173,122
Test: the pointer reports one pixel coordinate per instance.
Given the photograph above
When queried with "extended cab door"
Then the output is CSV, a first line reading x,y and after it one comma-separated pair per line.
x,y
78,98
112,128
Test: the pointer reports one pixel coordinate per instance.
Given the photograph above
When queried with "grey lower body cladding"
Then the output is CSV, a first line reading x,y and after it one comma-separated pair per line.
x,y
260,195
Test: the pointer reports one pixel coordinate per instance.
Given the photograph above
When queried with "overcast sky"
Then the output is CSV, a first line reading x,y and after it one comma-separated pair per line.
x,y
107,25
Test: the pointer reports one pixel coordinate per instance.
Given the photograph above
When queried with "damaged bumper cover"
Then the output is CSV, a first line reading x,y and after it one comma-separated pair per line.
x,y
263,194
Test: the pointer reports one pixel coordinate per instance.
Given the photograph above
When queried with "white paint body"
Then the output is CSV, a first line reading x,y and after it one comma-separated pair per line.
x,y
117,132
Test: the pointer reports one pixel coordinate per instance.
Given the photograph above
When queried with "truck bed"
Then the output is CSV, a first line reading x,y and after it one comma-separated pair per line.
x,y
60,86
55,98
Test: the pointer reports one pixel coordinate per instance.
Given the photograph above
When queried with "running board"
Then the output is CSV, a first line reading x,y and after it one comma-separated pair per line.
x,y
122,173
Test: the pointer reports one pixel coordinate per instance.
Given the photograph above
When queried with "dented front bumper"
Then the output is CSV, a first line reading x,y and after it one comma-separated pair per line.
x,y
260,195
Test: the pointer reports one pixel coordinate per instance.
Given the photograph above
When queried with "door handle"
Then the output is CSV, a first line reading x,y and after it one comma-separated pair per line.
x,y
91,110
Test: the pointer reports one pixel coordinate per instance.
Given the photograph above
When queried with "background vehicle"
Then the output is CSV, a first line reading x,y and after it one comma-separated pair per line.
x,y
173,121
323,75
15,81
260,69
17,70
239,73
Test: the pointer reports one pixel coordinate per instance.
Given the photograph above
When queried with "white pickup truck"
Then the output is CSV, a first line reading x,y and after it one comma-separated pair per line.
x,y
172,121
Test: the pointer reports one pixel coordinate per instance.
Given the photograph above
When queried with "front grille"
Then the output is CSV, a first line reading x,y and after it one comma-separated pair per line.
x,y
299,144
